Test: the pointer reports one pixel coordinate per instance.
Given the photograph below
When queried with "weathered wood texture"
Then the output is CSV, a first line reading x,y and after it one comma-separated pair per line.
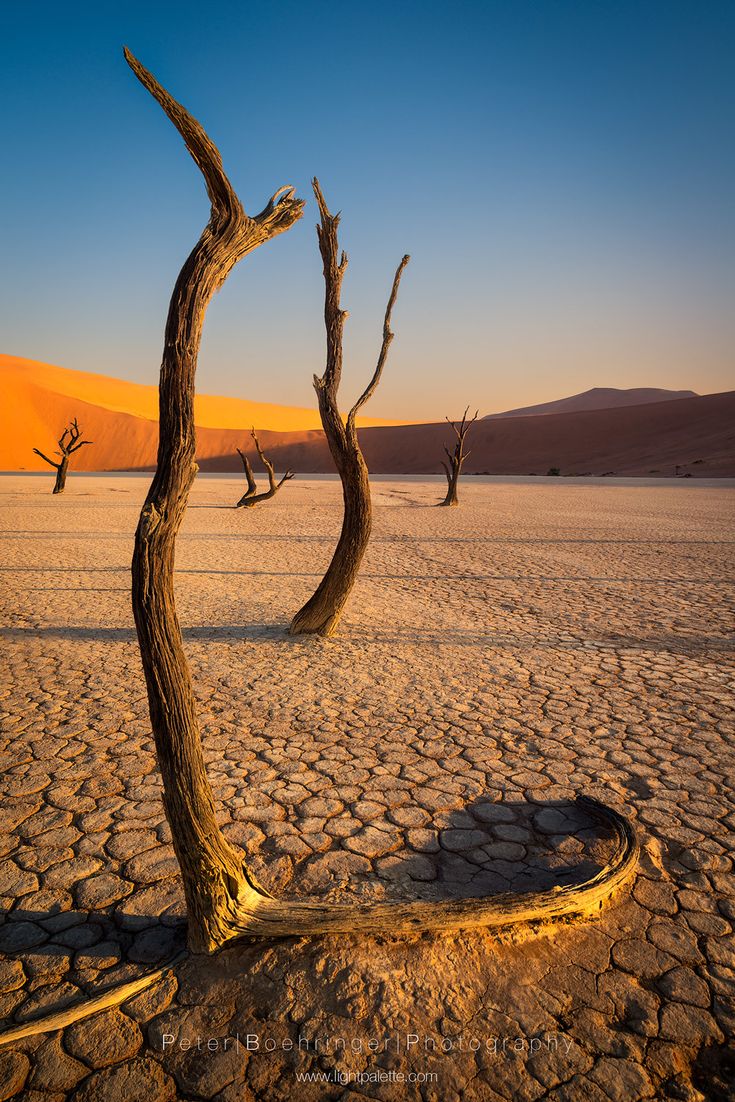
x,y
321,613
212,870
251,496
66,449
457,457
114,996
273,918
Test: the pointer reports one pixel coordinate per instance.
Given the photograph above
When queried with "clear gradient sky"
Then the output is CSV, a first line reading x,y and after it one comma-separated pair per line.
x,y
561,172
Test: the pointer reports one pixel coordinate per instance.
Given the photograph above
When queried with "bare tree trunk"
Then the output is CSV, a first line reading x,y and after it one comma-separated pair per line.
x,y
223,898
252,497
61,470
452,480
321,613
456,458
69,442
215,880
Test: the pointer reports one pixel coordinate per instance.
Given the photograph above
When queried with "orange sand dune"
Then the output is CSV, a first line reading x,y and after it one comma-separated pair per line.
x,y
693,434
142,401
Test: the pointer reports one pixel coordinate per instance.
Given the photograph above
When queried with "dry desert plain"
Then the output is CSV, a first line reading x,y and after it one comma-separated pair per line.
x,y
547,638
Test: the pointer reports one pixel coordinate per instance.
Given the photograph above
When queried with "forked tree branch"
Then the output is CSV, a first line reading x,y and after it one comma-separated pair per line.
x,y
266,462
387,338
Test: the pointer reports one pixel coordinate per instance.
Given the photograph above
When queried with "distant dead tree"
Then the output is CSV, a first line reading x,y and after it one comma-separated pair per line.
x,y
251,496
320,615
66,449
223,898
457,457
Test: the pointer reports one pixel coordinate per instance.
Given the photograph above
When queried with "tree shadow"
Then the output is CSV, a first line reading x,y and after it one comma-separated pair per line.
x,y
395,636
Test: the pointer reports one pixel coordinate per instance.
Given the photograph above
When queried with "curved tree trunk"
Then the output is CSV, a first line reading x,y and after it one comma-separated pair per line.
x,y
215,880
321,613
249,477
223,899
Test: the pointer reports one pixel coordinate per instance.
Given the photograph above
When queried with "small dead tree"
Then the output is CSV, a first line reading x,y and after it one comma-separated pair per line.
x,y
251,496
223,898
66,449
321,613
457,457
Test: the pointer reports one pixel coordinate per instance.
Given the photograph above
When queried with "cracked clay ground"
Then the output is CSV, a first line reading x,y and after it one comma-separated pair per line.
x,y
496,659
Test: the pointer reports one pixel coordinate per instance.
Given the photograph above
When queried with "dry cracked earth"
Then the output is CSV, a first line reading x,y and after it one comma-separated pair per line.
x,y
495,660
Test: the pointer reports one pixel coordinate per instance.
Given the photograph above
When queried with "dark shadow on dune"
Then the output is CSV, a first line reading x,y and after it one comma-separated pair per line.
x,y
482,849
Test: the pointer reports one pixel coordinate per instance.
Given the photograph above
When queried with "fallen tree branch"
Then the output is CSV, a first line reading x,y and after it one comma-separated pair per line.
x,y
114,996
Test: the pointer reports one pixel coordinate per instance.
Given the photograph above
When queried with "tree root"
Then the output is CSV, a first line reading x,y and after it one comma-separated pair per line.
x,y
259,915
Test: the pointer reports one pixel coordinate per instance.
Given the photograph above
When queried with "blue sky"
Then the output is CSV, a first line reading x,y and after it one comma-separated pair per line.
x,y
561,172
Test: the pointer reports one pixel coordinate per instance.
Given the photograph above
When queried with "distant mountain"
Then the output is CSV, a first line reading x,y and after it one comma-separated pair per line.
x,y
600,397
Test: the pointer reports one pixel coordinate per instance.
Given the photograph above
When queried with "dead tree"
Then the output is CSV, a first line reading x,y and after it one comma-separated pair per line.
x,y
223,898
251,496
215,880
457,457
66,449
249,476
320,615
